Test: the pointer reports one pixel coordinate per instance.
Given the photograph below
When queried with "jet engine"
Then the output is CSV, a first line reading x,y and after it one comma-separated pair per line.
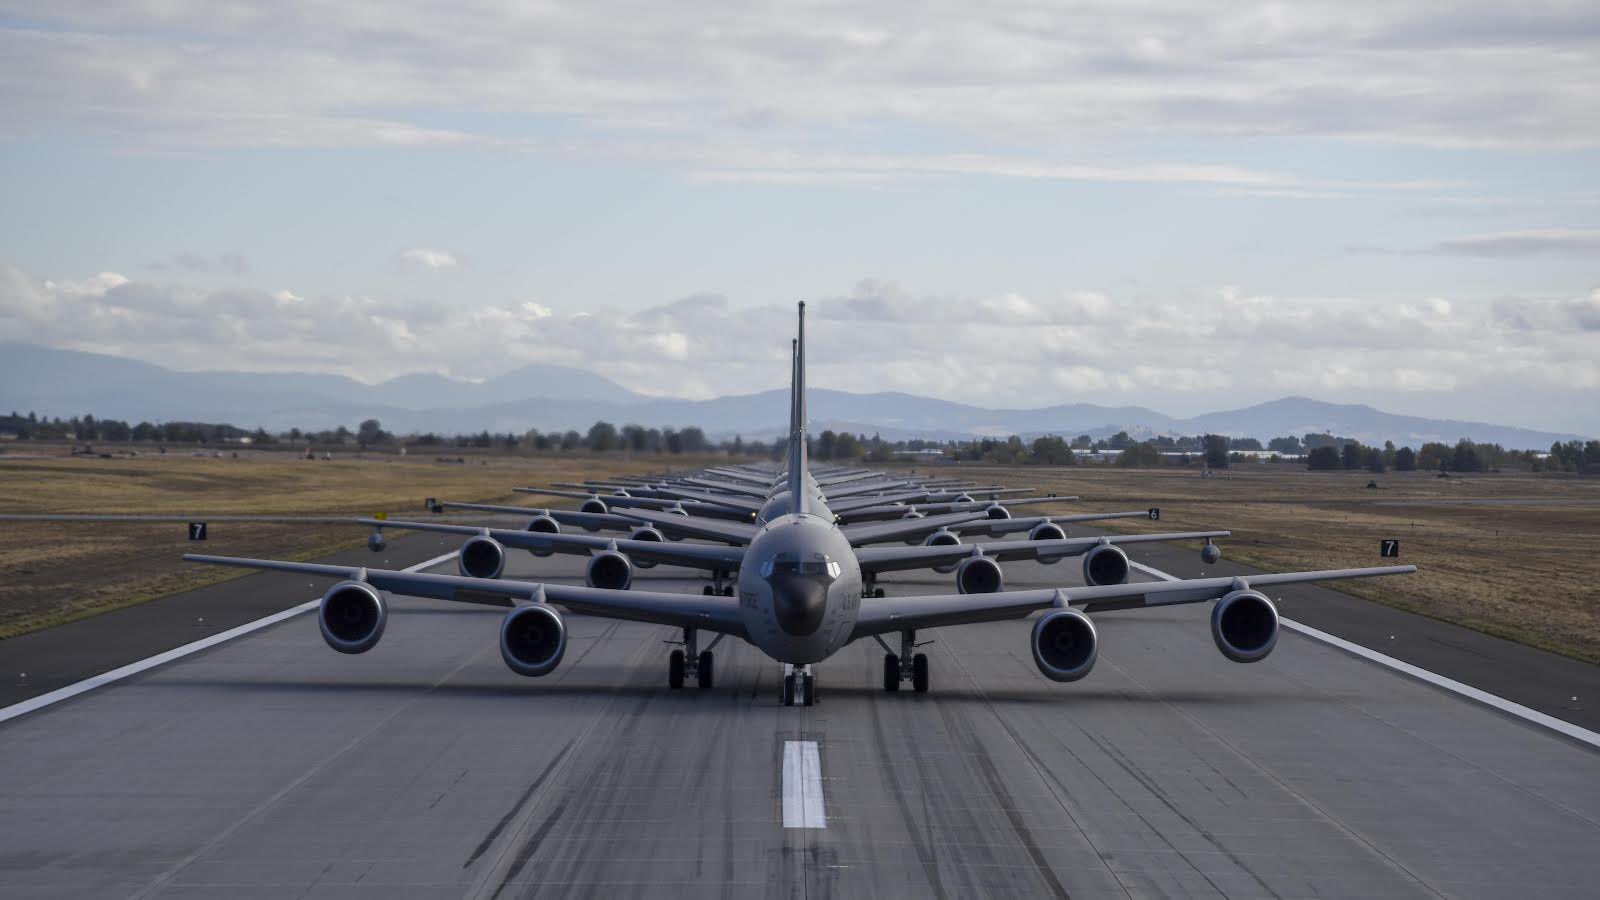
x,y
352,616
1245,626
979,575
996,511
533,640
1047,531
943,538
594,505
376,542
482,557
1065,645
646,534
964,498
610,569
1105,564
1210,553
544,525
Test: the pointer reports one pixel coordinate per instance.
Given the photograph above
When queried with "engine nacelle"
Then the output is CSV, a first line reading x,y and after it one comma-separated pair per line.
x,y
611,570
913,514
943,538
593,505
1105,564
532,640
621,492
996,511
1065,645
979,575
544,525
1210,554
646,534
352,616
1245,626
481,557
1047,531
376,542
964,498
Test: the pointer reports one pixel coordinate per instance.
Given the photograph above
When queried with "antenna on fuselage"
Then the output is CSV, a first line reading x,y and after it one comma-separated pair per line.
x,y
797,423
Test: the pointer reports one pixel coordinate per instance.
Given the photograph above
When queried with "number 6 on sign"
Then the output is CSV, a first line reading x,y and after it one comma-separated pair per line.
x,y
1389,548
197,531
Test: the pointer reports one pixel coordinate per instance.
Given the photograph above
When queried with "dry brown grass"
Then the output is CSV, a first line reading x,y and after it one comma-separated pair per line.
x,y
1523,565
56,572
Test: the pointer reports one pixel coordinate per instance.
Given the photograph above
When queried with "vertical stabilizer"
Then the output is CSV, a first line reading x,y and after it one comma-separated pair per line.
x,y
797,424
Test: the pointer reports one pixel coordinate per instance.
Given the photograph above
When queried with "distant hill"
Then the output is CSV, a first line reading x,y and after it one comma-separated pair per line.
x,y
66,383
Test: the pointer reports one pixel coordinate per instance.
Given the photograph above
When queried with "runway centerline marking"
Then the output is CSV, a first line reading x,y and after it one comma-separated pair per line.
x,y
160,659
1525,713
802,786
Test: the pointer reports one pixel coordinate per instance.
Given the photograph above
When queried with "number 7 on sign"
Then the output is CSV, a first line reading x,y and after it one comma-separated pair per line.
x,y
1389,548
197,531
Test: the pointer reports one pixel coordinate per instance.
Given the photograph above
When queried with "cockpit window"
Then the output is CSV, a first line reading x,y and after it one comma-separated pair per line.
x,y
818,566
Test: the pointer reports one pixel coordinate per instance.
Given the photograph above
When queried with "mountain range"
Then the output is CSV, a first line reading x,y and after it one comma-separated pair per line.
x,y
551,398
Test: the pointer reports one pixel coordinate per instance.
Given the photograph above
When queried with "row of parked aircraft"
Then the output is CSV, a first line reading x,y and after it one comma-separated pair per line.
x,y
793,558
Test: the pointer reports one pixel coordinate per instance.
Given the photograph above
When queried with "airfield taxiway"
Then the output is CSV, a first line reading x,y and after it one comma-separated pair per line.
x,y
271,766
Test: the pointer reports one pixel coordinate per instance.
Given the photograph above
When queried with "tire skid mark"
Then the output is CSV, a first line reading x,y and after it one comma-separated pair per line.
x,y
919,840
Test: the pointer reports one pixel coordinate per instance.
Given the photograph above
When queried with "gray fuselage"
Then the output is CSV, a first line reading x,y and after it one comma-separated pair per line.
x,y
800,588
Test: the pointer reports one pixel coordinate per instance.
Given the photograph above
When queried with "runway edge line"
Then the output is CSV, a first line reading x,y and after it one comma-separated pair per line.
x,y
33,704
1564,728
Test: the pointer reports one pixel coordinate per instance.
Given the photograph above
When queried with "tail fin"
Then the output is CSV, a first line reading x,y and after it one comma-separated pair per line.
x,y
797,423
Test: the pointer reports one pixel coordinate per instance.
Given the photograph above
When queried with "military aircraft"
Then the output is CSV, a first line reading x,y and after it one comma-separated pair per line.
x,y
800,602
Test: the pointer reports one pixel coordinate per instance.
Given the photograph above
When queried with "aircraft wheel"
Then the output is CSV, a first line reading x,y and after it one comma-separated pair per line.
x,y
877,593
788,690
675,670
727,591
811,690
708,591
919,673
706,659
891,672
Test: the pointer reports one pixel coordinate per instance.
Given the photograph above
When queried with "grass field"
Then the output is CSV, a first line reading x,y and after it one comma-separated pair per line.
x,y
1515,555
1509,554
52,573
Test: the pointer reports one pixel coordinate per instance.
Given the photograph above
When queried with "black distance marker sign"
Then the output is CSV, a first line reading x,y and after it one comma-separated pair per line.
x,y
1155,513
1389,548
197,531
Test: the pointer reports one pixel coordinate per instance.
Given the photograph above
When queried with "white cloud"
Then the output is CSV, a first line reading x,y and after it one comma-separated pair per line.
x,y
423,258
1005,350
652,76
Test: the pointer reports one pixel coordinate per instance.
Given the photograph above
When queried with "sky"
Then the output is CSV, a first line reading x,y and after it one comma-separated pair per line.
x,y
1188,206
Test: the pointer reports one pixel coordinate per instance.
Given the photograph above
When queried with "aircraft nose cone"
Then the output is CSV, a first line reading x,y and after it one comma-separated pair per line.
x,y
799,603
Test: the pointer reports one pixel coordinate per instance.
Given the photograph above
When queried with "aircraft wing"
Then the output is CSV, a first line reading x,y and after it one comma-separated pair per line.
x,y
740,533
562,516
889,614
1008,526
719,614
744,504
889,559
692,556
902,529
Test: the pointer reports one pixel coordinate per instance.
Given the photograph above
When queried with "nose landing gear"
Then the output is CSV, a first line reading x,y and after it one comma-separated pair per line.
x,y
799,686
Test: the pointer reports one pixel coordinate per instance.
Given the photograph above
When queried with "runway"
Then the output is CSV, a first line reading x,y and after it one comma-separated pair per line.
x,y
271,766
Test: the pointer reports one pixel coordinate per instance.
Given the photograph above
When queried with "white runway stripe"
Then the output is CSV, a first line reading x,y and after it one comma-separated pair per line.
x,y
802,786
1450,684
143,665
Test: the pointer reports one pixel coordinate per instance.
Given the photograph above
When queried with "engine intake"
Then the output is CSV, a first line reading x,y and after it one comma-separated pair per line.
x,y
544,525
611,570
943,538
593,505
1048,531
532,640
979,575
352,617
1105,564
996,511
1065,645
482,557
1245,626
646,534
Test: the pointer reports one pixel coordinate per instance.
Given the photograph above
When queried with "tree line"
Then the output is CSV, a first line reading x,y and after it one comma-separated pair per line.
x,y
1318,451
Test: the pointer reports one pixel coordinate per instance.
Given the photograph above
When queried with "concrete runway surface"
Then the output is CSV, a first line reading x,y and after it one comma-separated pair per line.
x,y
271,766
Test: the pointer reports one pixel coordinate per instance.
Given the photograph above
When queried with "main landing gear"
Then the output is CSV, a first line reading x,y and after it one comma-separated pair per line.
x,y
690,662
720,586
905,665
799,686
